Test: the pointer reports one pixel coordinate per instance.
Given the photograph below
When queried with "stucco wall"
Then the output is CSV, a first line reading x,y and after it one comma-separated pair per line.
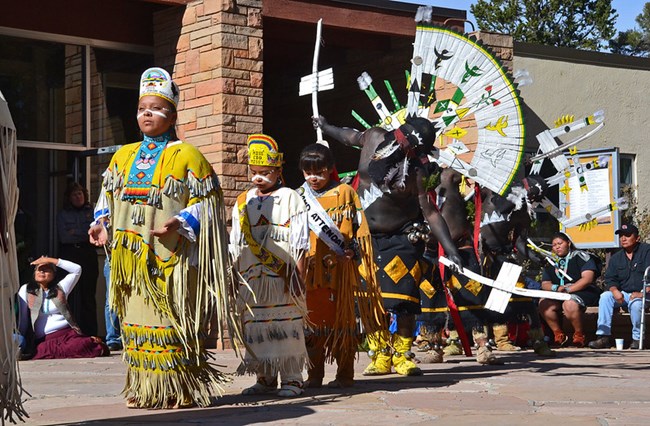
x,y
562,86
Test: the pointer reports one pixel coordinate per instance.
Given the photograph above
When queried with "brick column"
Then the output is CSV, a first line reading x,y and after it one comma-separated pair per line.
x,y
214,50
501,45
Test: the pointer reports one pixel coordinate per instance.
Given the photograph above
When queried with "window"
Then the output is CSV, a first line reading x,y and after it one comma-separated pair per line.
x,y
626,169
66,97
41,82
627,177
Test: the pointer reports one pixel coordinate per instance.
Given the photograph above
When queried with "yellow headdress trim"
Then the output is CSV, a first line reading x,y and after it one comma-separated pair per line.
x,y
263,151
158,82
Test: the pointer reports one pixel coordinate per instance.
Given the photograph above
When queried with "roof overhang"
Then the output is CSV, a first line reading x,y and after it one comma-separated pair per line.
x,y
376,16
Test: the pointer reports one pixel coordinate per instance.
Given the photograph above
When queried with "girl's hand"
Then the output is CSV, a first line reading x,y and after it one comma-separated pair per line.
x,y
170,226
98,235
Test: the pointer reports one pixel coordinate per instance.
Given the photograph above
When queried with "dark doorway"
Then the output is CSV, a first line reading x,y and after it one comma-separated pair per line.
x,y
288,55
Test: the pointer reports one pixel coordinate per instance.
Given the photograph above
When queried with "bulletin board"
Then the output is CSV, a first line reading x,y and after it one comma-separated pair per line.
x,y
602,188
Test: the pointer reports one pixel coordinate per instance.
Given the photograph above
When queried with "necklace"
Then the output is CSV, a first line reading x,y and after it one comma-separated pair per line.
x,y
563,264
261,199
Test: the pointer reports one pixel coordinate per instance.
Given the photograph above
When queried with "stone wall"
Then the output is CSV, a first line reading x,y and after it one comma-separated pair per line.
x,y
568,81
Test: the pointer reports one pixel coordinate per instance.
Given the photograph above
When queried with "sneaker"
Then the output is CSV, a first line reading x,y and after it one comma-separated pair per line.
x,y
560,339
579,340
260,388
603,342
634,344
114,347
291,389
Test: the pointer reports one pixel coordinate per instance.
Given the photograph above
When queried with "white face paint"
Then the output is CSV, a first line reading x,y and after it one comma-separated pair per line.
x,y
152,112
320,178
260,177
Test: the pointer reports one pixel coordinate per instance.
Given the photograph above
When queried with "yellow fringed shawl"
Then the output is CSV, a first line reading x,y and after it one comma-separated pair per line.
x,y
327,270
165,290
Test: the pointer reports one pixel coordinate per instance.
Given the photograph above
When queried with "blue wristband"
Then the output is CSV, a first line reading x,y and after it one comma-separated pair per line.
x,y
554,287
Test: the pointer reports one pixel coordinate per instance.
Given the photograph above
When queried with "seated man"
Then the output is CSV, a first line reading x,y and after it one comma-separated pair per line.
x,y
624,277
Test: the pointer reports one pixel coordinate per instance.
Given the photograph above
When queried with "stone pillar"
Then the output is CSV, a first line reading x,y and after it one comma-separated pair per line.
x,y
214,50
501,45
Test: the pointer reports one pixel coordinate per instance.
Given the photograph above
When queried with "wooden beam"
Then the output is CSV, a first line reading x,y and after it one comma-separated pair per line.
x,y
341,15
169,2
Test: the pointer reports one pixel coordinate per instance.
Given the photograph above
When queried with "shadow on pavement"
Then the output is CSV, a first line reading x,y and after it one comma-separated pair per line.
x,y
235,409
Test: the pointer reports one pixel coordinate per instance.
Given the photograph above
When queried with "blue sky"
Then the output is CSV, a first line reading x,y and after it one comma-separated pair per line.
x,y
627,9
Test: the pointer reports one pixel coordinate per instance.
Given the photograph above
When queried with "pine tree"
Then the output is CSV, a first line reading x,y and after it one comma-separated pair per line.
x,y
634,42
582,24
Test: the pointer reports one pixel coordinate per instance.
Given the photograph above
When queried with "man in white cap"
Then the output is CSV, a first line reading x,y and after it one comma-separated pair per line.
x,y
624,278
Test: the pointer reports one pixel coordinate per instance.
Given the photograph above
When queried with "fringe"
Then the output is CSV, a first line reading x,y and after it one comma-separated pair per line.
x,y
341,212
154,197
344,338
168,365
136,268
273,331
369,301
278,234
255,365
11,389
137,214
162,373
268,289
173,188
216,272
134,334
340,342
185,385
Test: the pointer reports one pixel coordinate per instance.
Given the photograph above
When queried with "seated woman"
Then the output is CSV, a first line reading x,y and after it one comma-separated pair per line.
x,y
575,273
44,319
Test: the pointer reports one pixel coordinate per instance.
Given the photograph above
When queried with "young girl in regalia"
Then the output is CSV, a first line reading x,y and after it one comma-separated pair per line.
x,y
162,206
339,243
268,241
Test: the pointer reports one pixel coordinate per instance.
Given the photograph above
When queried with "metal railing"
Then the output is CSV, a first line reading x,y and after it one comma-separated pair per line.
x,y
644,294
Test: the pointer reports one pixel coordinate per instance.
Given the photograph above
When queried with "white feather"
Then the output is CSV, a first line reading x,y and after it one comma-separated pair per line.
x,y
517,196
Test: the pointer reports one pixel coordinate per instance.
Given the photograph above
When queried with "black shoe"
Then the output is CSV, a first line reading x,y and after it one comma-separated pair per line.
x,y
115,347
603,342
634,344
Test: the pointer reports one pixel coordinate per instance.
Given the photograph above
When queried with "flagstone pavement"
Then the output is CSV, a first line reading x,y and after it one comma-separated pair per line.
x,y
578,387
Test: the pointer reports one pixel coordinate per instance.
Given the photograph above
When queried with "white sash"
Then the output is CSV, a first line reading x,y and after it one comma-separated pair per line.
x,y
321,223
